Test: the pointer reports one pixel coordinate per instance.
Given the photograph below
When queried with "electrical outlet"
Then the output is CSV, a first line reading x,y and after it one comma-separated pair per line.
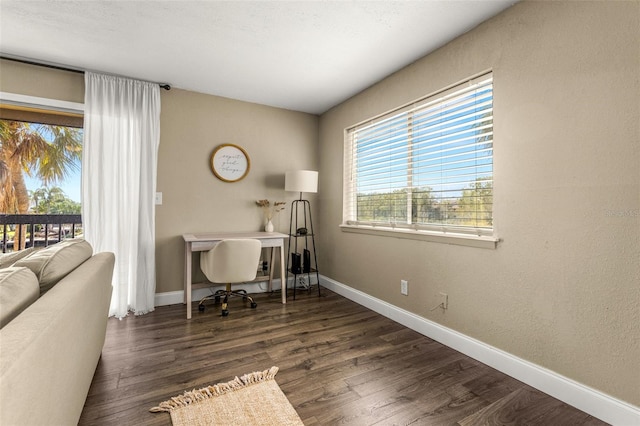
x,y
444,300
404,287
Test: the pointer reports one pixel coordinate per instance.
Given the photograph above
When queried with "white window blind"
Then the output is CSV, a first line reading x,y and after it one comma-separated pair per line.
x,y
427,166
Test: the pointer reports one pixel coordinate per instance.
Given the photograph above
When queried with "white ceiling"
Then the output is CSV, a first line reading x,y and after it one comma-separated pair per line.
x,y
300,55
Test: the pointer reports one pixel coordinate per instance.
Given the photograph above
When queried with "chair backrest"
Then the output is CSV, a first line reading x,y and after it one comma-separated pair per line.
x,y
231,261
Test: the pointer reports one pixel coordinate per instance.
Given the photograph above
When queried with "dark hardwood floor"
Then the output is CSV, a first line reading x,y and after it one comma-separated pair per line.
x,y
340,363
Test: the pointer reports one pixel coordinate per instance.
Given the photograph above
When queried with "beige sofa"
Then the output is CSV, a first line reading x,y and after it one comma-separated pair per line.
x,y
50,345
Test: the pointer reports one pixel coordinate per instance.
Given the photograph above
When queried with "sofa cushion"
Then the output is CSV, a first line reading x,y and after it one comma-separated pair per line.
x,y
18,289
8,259
53,263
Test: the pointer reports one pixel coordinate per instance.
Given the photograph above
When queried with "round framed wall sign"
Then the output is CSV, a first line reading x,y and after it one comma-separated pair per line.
x,y
230,163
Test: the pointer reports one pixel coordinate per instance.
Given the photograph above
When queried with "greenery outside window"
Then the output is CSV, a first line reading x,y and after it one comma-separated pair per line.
x,y
427,166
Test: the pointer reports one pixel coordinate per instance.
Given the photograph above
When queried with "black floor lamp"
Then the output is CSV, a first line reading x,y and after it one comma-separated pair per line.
x,y
301,227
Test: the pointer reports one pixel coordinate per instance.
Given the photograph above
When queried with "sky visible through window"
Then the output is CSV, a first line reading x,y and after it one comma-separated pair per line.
x,y
71,185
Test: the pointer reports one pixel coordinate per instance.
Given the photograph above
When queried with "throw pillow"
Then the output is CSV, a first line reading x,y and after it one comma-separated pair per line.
x,y
18,289
53,263
8,259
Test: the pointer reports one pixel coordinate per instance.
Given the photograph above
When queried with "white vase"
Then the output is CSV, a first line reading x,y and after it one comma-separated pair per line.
x,y
269,226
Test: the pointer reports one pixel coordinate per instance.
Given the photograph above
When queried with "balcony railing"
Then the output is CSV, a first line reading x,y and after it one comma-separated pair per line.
x,y
37,230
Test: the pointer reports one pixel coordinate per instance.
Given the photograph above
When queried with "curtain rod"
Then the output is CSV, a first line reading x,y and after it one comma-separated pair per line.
x,y
164,86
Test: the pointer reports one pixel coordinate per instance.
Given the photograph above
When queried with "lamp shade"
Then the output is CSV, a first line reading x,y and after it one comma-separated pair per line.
x,y
301,181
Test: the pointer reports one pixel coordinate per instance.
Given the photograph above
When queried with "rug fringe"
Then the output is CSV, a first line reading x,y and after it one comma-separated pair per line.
x,y
197,395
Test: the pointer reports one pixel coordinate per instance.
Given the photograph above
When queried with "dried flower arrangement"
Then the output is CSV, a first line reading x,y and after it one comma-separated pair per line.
x,y
269,210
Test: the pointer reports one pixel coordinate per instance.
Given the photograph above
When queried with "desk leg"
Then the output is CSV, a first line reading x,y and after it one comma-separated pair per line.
x,y
187,278
283,276
273,259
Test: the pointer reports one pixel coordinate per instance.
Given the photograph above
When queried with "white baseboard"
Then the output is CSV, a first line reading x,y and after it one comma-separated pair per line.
x,y
591,401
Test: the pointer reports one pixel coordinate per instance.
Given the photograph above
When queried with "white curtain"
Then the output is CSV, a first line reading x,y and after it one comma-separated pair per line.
x,y
119,168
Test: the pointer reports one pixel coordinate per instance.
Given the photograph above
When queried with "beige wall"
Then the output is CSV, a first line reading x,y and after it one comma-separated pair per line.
x,y
563,287
194,200
16,77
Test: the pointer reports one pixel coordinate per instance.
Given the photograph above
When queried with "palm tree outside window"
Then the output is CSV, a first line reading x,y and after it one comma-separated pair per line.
x,y
35,161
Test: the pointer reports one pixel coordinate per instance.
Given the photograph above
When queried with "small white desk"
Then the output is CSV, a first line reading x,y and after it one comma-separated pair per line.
x,y
206,241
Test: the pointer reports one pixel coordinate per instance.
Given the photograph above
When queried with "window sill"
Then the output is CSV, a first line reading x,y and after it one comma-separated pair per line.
x,y
431,236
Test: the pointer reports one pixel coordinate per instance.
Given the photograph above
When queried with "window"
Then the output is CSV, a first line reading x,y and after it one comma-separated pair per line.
x,y
42,164
427,166
41,144
40,155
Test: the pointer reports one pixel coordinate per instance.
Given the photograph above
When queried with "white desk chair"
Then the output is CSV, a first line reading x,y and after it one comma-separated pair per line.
x,y
229,262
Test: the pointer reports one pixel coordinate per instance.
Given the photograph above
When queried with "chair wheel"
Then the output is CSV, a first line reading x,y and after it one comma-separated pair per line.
x,y
225,313
201,308
254,305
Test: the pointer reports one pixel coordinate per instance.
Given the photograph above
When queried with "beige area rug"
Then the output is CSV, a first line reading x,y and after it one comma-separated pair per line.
x,y
253,399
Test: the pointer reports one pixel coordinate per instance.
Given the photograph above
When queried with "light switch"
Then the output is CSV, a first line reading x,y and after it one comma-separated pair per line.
x,y
158,198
